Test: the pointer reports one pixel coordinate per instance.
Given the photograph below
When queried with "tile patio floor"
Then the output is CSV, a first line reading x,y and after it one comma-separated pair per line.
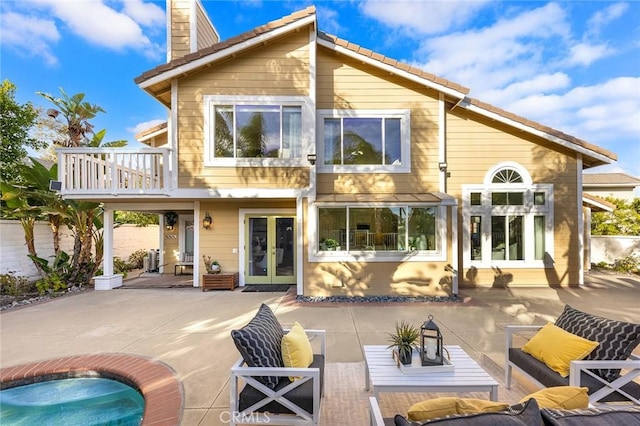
x,y
189,329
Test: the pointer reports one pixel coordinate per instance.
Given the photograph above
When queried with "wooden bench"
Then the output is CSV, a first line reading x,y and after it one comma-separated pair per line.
x,y
220,281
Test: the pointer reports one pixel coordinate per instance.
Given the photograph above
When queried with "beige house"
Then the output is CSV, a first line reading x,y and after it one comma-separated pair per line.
x,y
325,165
616,185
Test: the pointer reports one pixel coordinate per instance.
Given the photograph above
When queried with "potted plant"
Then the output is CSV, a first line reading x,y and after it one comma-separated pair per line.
x,y
331,244
213,267
404,340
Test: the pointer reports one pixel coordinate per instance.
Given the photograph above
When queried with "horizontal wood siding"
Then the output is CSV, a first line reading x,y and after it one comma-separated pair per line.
x,y
277,69
346,84
180,37
206,35
474,145
219,241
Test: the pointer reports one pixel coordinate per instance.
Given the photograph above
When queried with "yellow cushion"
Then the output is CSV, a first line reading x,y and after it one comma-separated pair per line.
x,y
561,397
557,348
440,407
296,349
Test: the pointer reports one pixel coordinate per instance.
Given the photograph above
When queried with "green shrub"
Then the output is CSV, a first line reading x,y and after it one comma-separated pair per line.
x,y
629,264
136,259
11,285
54,283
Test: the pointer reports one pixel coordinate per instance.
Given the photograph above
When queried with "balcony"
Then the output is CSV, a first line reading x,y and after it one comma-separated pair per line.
x,y
113,171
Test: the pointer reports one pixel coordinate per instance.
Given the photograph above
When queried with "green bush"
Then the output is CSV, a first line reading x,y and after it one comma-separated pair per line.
x,y
629,264
11,285
54,283
136,259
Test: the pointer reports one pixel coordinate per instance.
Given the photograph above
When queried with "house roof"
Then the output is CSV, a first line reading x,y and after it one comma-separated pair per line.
x,y
597,204
609,179
157,80
151,132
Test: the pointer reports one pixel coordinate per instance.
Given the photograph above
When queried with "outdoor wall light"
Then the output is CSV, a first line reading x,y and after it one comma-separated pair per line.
x,y
443,166
312,159
170,219
207,221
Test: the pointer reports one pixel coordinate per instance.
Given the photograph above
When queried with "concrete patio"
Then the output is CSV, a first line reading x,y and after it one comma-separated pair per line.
x,y
189,330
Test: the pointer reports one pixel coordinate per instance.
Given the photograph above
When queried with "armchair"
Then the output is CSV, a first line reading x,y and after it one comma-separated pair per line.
x,y
289,402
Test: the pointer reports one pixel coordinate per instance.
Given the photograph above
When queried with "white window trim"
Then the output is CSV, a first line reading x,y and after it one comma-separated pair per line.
x,y
528,211
405,135
210,101
440,254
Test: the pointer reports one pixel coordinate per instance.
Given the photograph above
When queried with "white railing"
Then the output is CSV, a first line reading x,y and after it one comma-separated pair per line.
x,y
113,170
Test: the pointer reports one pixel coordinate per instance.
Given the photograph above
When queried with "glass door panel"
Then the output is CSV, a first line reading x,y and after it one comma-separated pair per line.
x,y
270,250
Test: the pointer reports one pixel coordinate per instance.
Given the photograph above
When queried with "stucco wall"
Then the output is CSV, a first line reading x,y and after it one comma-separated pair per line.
x,y
13,251
609,248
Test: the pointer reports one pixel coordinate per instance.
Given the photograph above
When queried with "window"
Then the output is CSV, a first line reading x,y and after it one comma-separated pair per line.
x,y
364,140
250,131
257,131
509,219
379,229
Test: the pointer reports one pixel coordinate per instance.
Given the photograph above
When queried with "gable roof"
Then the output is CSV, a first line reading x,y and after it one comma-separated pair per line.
x,y
597,204
609,179
157,81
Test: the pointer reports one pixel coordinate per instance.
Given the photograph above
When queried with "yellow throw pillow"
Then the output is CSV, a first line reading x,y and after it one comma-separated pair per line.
x,y
561,397
445,406
296,349
557,348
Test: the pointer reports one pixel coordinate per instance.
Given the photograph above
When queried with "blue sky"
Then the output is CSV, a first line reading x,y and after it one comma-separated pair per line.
x,y
571,65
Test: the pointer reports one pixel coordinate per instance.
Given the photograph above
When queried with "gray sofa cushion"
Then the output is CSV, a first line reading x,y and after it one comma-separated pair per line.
x,y
623,416
526,414
259,343
617,338
539,371
302,396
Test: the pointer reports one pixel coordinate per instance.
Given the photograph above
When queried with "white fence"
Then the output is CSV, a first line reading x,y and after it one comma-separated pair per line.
x,y
609,248
13,250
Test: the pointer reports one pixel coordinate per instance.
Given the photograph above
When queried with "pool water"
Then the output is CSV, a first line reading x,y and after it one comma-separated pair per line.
x,y
72,402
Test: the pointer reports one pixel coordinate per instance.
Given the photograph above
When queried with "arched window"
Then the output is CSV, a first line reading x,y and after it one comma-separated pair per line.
x,y
509,219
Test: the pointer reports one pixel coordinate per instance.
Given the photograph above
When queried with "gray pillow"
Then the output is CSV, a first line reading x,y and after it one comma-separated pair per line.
x,y
619,415
617,338
259,343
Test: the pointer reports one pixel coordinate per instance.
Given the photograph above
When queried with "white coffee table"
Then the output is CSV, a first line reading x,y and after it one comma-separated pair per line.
x,y
382,372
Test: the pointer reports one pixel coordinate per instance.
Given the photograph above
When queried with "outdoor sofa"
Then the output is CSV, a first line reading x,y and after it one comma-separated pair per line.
x,y
610,371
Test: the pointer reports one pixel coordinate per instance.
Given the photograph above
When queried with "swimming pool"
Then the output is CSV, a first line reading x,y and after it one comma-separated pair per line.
x,y
74,401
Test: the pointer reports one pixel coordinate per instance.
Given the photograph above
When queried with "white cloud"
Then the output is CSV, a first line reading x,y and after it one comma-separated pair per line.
x,y
30,36
95,21
585,54
422,17
147,14
145,125
328,20
604,17
493,57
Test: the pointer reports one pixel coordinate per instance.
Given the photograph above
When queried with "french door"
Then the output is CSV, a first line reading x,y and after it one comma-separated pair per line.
x,y
270,249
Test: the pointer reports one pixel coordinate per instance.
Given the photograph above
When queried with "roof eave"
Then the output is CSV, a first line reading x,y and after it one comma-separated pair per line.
x,y
230,51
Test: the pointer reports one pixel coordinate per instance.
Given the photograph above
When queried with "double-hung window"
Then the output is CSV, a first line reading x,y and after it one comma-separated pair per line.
x,y
509,220
239,129
361,141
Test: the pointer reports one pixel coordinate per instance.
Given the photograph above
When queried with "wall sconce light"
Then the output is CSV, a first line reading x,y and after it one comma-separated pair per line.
x,y
170,219
312,159
207,221
443,166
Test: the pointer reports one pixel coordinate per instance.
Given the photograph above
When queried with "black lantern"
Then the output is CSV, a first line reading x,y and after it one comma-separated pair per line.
x,y
431,350
170,219
207,221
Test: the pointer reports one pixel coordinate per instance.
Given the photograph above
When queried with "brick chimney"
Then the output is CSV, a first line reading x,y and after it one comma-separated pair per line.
x,y
188,28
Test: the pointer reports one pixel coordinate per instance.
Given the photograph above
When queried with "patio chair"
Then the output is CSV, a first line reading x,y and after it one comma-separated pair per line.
x,y
186,261
264,395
